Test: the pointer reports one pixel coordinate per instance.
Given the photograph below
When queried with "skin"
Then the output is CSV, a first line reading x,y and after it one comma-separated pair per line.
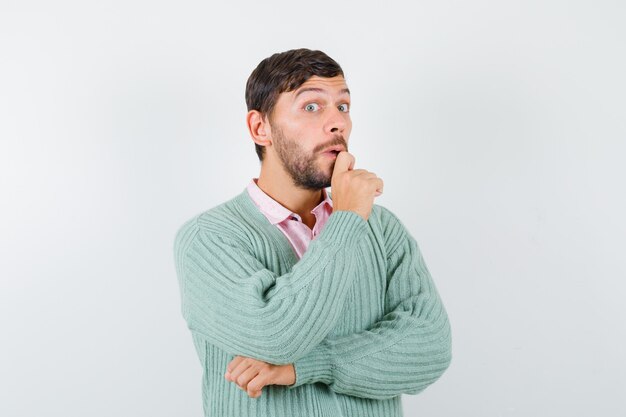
x,y
294,172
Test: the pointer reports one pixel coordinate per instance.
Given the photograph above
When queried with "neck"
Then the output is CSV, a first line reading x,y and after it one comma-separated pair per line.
x,y
278,184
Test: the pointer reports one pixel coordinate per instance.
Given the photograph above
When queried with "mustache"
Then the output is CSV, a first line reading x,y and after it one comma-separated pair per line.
x,y
337,140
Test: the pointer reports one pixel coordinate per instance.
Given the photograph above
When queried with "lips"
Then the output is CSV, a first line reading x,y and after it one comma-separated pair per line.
x,y
334,149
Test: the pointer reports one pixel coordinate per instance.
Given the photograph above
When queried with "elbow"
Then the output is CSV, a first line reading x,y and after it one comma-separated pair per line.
x,y
428,375
444,361
446,350
432,365
442,356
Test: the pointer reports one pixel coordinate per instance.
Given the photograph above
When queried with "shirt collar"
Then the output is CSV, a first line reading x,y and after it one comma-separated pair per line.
x,y
276,212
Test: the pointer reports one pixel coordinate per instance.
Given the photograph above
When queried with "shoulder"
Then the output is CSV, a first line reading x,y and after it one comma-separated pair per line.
x,y
392,228
388,220
224,221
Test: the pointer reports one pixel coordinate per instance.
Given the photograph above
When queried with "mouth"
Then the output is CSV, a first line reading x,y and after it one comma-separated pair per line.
x,y
334,150
331,154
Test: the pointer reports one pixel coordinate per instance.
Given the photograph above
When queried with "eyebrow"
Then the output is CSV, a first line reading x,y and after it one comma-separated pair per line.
x,y
319,90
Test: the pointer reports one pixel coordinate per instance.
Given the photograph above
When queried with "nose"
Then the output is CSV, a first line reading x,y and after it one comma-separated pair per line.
x,y
337,121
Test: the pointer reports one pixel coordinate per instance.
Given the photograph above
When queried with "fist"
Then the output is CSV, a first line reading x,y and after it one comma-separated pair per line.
x,y
251,375
354,189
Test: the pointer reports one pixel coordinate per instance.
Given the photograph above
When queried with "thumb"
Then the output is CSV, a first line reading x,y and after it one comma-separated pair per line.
x,y
343,162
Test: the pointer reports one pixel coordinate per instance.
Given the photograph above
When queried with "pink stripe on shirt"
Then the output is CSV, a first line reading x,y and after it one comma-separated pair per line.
x,y
290,223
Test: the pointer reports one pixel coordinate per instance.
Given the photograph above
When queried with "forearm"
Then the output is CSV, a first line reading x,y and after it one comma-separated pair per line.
x,y
393,357
232,300
408,349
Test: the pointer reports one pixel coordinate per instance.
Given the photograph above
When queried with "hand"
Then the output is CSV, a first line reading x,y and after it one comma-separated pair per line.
x,y
354,189
252,375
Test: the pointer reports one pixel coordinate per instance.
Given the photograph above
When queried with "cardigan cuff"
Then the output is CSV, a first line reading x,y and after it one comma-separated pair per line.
x,y
344,228
314,367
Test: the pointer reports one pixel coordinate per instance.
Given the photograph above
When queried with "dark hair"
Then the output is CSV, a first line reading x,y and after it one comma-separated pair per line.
x,y
284,72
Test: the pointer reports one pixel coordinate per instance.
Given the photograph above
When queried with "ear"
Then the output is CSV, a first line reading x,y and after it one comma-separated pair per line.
x,y
259,128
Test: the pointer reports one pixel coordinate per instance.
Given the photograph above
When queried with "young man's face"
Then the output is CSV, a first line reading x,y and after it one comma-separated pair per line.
x,y
305,123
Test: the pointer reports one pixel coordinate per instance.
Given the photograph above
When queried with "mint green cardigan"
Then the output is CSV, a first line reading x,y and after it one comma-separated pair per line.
x,y
358,315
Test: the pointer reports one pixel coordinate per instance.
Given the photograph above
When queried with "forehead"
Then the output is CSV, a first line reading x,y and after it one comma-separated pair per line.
x,y
333,86
337,81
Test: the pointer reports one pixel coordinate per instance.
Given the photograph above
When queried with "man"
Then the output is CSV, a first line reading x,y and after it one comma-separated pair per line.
x,y
302,302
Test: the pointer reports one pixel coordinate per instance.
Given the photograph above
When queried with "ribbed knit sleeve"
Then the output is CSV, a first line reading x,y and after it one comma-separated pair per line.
x,y
404,352
231,299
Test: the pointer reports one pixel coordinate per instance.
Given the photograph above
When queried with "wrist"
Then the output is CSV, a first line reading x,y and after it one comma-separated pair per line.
x,y
285,375
316,366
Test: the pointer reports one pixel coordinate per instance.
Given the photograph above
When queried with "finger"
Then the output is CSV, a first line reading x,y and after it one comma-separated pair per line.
x,y
233,364
380,185
258,382
343,162
365,172
246,377
239,369
360,171
254,394
231,367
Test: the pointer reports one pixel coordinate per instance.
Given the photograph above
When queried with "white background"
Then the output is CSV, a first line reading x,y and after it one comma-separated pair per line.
x,y
498,128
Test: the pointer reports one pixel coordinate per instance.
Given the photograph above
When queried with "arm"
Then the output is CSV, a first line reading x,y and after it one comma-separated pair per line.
x,y
404,352
233,301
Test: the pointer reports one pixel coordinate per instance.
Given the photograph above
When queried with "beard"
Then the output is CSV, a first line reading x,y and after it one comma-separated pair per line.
x,y
303,168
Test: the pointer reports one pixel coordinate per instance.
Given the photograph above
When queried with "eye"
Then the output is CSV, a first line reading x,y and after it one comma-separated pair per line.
x,y
345,106
311,107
